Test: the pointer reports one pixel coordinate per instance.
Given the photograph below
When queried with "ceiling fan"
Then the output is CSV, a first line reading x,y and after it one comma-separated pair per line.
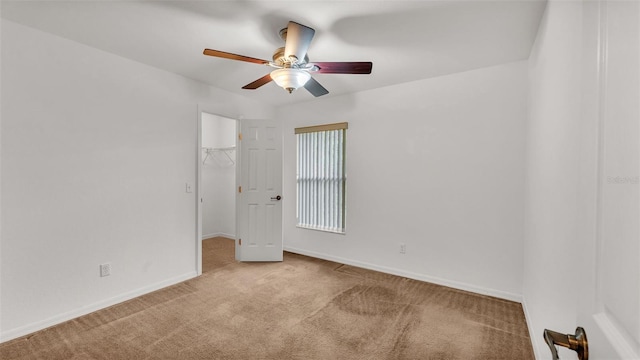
x,y
293,69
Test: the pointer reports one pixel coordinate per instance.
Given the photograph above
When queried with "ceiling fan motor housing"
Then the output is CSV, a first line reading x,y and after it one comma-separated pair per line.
x,y
281,60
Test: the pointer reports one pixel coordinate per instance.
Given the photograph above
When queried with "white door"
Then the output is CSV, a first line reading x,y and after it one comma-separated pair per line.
x,y
260,191
608,305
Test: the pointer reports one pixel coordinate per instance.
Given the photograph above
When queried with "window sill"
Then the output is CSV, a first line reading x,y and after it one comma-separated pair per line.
x,y
321,230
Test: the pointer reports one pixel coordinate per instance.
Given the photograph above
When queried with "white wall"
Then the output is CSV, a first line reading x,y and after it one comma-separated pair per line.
x,y
96,151
436,164
553,140
218,177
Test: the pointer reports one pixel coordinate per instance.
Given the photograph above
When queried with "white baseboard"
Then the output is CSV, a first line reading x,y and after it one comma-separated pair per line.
x,y
411,275
209,236
39,325
532,334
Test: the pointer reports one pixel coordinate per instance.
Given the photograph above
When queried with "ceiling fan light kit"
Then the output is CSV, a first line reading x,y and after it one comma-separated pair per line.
x,y
293,69
290,79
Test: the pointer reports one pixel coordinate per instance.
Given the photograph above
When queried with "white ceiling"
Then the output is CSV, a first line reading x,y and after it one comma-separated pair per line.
x,y
405,40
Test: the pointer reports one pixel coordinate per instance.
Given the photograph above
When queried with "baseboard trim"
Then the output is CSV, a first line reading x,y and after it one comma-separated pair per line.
x,y
532,335
411,275
209,236
55,320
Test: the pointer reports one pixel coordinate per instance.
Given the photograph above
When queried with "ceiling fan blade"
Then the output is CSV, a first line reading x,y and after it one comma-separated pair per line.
x,y
315,88
298,40
359,67
256,84
226,55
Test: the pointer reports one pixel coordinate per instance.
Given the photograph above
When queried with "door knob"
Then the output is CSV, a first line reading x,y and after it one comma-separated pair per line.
x,y
276,198
577,342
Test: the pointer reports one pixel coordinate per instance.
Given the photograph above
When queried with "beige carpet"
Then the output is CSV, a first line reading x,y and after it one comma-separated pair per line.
x,y
302,308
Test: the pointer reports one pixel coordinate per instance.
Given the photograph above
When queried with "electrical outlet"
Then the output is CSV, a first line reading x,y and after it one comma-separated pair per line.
x,y
105,269
188,188
403,248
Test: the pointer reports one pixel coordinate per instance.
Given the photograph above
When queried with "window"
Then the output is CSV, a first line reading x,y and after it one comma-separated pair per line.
x,y
321,177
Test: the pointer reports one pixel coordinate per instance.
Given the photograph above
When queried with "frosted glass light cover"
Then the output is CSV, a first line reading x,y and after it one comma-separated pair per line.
x,y
290,79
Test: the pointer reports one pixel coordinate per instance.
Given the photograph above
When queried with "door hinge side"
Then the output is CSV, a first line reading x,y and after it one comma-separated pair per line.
x,y
240,189
240,136
239,242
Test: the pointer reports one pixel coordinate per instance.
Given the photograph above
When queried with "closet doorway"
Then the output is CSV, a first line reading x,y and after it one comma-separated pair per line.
x,y
217,186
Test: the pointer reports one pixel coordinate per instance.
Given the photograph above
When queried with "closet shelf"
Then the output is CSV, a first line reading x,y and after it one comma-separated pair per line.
x,y
225,150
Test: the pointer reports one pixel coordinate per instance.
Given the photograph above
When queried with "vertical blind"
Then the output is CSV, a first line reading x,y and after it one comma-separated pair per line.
x,y
321,178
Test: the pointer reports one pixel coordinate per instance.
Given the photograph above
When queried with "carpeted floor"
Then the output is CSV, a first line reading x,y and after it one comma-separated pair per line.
x,y
302,308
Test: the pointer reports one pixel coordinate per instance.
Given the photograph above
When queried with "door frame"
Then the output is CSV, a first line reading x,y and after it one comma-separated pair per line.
x,y
198,197
213,110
